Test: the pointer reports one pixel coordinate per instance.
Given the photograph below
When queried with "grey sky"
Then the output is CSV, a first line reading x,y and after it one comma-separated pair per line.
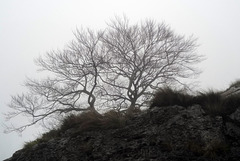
x,y
29,28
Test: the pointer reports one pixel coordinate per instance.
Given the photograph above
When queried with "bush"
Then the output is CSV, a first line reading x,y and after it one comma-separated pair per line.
x,y
54,133
215,104
169,97
44,138
113,119
211,102
29,145
83,121
90,121
209,97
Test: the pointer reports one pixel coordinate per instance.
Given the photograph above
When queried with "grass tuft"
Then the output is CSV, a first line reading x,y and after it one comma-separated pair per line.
x,y
29,145
91,121
169,97
84,121
113,119
215,104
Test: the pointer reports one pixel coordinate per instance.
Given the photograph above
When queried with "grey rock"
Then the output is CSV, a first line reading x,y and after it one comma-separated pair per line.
x,y
167,133
231,91
236,115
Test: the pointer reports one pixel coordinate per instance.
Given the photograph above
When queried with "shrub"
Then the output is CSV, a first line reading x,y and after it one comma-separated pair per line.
x,y
83,121
209,97
90,121
44,138
169,97
70,121
113,119
54,133
29,145
215,104
211,102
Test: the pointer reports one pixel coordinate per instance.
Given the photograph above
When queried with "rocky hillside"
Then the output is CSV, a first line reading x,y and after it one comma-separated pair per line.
x,y
169,133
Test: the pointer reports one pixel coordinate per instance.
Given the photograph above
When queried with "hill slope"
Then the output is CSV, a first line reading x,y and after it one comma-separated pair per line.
x,y
160,133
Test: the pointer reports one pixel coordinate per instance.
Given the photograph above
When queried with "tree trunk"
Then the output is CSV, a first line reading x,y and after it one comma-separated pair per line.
x,y
131,108
93,110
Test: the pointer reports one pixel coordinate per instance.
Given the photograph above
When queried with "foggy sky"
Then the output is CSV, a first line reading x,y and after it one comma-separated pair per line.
x,y
29,28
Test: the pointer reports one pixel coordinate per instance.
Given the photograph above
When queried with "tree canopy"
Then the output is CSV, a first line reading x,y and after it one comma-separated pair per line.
x,y
118,67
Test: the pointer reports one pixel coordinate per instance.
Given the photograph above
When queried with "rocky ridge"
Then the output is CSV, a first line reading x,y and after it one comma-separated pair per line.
x,y
160,133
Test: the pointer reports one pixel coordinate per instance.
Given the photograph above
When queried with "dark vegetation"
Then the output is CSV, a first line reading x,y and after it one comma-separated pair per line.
x,y
83,122
168,97
90,121
54,133
213,103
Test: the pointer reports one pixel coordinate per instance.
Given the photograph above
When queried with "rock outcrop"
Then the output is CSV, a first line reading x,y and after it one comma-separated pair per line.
x,y
235,90
232,126
172,133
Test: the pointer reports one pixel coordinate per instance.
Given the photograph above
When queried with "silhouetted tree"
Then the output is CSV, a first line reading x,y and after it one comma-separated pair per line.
x,y
118,67
72,86
141,57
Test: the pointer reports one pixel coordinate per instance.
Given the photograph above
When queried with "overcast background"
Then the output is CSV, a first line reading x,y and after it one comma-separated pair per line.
x,y
29,28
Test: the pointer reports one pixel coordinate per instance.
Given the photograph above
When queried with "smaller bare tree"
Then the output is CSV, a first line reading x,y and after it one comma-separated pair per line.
x,y
72,86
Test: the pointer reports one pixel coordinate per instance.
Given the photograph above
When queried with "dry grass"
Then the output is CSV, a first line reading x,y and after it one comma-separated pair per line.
x,y
92,121
212,102
113,119
215,104
29,145
84,121
169,97
44,138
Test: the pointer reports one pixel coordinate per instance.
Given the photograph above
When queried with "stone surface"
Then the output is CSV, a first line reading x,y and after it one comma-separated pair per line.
x,y
167,133
231,91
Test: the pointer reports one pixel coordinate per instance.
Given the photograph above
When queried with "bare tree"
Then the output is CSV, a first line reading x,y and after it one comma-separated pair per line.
x,y
72,86
119,67
142,58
